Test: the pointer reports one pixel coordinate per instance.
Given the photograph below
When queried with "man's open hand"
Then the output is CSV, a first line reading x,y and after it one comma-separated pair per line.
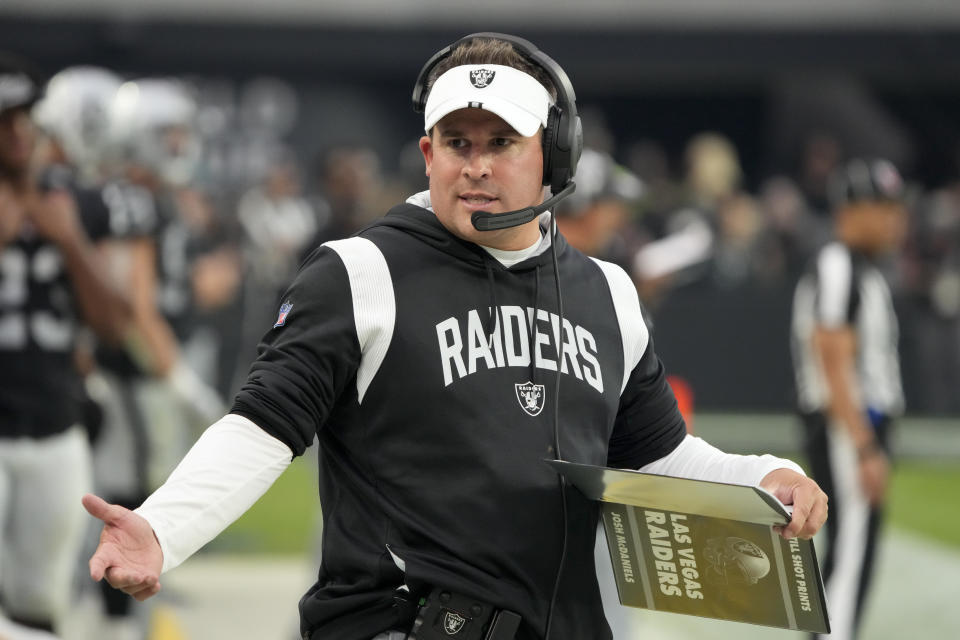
x,y
128,555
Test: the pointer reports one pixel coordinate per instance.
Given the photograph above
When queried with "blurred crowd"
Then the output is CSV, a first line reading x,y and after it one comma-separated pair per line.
x,y
702,226
243,204
202,206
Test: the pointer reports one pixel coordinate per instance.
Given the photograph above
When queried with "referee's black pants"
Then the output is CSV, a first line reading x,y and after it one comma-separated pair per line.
x,y
852,525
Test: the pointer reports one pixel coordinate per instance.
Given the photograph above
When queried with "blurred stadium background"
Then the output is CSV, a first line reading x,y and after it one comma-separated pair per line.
x,y
768,95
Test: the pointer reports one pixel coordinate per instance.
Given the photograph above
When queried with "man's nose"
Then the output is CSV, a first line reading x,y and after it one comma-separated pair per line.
x,y
478,165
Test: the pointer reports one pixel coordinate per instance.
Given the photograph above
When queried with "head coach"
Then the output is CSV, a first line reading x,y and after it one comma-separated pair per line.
x,y
440,355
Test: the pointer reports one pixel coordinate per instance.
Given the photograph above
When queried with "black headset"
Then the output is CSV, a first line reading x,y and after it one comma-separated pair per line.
x,y
563,136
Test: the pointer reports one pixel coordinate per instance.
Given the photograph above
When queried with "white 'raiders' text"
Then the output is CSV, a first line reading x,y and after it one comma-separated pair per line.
x,y
462,354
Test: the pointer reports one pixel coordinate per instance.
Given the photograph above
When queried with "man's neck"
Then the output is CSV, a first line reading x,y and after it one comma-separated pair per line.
x,y
514,239
508,258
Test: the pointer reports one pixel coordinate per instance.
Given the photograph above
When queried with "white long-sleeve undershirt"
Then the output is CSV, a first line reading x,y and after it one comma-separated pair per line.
x,y
234,462
697,459
230,466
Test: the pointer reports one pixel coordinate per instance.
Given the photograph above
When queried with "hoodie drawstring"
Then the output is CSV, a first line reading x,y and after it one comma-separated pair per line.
x,y
533,326
493,310
495,315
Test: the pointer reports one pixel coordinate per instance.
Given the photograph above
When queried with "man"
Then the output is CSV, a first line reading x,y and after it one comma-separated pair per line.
x,y
49,276
154,152
138,134
848,374
424,354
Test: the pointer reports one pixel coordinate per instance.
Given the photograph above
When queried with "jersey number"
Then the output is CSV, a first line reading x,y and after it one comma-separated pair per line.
x,y
48,329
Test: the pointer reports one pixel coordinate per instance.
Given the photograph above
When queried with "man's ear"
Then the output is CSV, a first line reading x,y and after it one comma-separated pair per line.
x,y
426,148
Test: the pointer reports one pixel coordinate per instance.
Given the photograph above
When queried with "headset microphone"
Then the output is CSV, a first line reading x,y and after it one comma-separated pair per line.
x,y
483,221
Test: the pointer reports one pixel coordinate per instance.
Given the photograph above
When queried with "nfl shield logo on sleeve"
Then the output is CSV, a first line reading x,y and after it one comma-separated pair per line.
x,y
284,311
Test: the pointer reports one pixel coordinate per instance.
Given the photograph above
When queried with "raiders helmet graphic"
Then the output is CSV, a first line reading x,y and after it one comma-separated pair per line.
x,y
735,560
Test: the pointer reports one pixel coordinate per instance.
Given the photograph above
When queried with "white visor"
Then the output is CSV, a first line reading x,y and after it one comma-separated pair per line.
x,y
513,95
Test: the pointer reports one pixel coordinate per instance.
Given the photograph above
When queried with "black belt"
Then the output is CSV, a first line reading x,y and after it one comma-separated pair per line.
x,y
444,614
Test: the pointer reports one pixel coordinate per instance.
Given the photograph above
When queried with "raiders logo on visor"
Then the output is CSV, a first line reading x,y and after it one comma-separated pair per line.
x,y
481,78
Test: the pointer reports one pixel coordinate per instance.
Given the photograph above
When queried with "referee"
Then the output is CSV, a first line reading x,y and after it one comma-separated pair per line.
x,y
847,370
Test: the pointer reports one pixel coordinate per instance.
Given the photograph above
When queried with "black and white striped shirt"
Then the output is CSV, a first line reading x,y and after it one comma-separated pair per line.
x,y
844,289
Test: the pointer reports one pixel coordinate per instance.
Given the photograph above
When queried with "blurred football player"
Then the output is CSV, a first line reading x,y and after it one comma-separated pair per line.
x,y
113,148
49,270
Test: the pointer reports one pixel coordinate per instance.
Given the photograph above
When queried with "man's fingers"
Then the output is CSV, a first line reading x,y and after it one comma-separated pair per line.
x,y
809,513
123,579
130,581
103,559
148,592
101,509
801,511
98,566
796,524
818,515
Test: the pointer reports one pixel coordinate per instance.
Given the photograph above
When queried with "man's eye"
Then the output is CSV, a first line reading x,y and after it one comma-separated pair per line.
x,y
501,142
457,143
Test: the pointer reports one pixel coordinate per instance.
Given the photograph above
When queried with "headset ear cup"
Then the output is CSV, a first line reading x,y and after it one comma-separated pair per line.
x,y
549,143
567,144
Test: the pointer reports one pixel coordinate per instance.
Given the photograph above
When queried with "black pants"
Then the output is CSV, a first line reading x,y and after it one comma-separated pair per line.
x,y
852,525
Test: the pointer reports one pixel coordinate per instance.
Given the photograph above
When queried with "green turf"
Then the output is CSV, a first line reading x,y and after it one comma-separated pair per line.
x,y
923,500
282,521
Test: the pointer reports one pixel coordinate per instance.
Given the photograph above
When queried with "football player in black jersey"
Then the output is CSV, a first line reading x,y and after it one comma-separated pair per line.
x,y
91,122
156,151
50,283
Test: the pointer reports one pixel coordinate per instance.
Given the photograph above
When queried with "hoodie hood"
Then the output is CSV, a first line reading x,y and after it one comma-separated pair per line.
x,y
416,218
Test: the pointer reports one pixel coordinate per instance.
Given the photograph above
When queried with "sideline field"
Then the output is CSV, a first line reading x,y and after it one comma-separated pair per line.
x,y
924,482
237,592
227,597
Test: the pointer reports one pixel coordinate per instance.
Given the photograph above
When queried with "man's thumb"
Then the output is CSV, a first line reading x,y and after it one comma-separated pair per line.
x,y
101,509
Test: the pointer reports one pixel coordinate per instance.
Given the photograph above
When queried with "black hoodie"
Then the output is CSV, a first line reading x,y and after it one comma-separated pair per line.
x,y
406,351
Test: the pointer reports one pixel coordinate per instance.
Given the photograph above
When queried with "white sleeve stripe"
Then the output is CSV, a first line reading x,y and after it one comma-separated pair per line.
x,y
374,306
626,303
834,279
230,466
